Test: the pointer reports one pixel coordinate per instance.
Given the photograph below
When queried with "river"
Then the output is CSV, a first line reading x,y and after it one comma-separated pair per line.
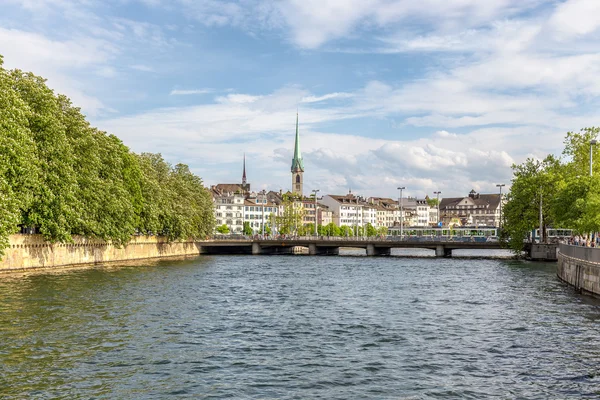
x,y
298,327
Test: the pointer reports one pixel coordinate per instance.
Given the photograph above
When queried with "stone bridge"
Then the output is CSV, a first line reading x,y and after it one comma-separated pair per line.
x,y
331,246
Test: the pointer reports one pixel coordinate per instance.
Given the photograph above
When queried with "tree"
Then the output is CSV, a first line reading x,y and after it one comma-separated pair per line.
x,y
371,231
247,229
330,229
64,177
432,202
533,188
290,221
345,231
223,229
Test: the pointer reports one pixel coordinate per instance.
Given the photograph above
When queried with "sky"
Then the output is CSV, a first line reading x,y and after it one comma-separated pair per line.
x,y
431,95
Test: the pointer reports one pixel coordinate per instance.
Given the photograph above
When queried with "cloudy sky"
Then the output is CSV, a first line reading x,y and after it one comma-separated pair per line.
x,y
430,94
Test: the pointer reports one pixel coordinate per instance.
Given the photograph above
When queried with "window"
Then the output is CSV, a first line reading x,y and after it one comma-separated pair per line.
x,y
297,178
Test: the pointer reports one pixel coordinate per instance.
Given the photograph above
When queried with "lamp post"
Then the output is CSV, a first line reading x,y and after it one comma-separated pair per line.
x,y
500,185
262,206
438,206
401,214
315,191
592,143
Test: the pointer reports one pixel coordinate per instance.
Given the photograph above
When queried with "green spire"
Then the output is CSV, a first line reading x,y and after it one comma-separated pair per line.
x,y
297,162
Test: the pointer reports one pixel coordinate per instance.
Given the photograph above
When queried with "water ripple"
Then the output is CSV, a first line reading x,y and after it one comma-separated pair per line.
x,y
299,328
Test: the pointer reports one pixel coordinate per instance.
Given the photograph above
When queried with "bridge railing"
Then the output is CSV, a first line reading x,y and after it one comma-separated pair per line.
x,y
591,254
421,239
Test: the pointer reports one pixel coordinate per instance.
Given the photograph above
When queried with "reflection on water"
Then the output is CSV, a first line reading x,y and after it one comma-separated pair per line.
x,y
299,327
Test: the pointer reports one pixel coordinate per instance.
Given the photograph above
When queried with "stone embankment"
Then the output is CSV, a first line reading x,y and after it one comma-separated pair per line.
x,y
580,267
31,251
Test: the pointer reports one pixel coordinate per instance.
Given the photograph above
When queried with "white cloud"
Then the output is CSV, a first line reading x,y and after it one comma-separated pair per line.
x,y
237,98
576,17
185,92
329,96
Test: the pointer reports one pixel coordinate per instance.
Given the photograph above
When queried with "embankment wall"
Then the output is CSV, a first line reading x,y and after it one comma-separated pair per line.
x,y
31,251
580,267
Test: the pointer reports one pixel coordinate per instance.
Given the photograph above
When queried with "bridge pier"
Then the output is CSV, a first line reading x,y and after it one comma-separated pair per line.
x,y
442,251
315,250
378,251
256,249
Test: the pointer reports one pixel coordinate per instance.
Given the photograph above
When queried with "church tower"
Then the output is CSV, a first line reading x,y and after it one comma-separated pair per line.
x,y
297,165
245,185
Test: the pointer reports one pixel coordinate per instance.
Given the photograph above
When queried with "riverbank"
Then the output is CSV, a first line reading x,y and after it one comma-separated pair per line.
x,y
580,267
27,252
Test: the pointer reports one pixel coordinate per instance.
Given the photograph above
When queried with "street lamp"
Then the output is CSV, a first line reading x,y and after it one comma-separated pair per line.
x,y
315,191
401,214
438,206
592,143
500,185
262,223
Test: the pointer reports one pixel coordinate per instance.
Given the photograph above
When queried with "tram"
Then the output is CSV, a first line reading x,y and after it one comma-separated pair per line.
x,y
463,233
554,234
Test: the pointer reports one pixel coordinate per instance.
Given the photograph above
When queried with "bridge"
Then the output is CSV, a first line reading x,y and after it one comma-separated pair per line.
x,y
332,245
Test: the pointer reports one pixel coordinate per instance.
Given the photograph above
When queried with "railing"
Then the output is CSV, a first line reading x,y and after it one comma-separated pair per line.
x,y
590,254
420,239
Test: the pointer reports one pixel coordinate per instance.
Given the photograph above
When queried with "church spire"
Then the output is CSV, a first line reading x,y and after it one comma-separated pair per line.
x,y
244,173
297,162
297,165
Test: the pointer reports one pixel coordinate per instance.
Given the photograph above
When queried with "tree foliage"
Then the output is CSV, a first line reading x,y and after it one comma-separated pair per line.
x,y
64,177
569,197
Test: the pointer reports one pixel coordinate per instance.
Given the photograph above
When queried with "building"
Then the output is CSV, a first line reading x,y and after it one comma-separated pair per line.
x,y
387,210
297,166
475,209
259,212
229,206
346,210
419,211
324,215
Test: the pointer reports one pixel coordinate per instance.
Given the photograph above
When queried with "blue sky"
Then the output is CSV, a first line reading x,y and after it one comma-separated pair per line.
x,y
430,95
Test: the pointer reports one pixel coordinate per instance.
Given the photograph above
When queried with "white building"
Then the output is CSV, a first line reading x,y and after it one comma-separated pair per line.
x,y
229,206
259,211
346,210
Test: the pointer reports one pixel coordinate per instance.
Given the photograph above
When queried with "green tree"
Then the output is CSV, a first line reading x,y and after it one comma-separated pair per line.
x,y
290,221
345,231
534,186
371,231
247,229
18,164
64,177
432,202
223,229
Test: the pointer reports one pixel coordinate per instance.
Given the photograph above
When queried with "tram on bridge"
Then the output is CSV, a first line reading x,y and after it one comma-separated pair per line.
x,y
463,233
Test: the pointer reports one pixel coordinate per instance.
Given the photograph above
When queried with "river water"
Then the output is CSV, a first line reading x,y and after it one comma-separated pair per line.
x,y
299,327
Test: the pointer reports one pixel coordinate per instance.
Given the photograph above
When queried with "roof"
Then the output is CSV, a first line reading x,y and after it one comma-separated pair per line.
x,y
227,188
479,200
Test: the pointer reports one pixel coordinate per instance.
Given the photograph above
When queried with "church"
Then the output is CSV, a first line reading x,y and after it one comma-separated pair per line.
x,y
297,166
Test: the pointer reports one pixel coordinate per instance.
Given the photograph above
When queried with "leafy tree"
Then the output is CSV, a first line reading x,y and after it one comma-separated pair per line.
x,y
223,229
382,231
534,186
330,229
290,221
371,231
247,229
432,202
64,177
345,231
